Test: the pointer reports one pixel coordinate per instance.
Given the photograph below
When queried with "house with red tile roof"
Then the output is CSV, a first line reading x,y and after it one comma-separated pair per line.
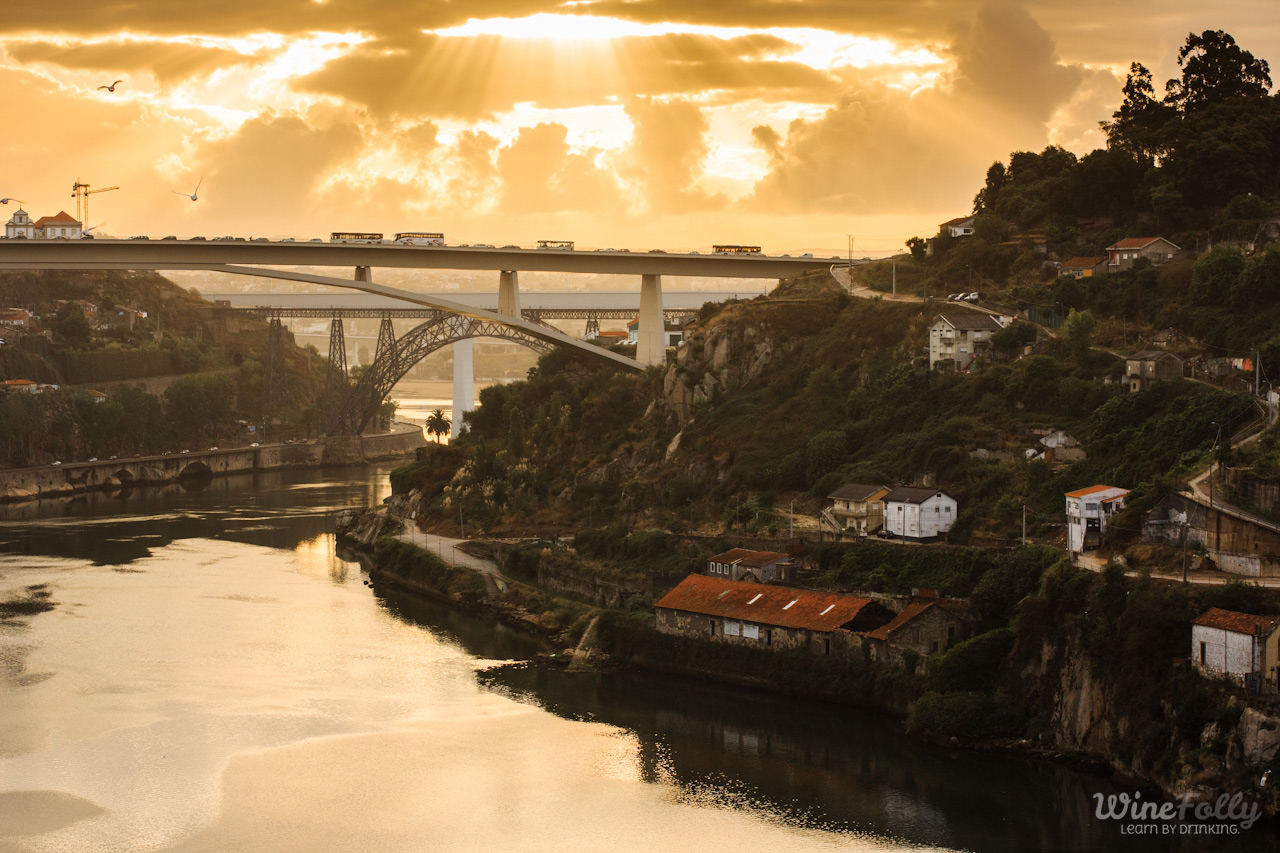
x,y
1241,646
61,225
927,627
739,564
1084,267
1124,254
767,616
1088,511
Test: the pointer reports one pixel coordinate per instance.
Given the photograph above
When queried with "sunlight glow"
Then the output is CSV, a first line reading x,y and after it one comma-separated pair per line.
x,y
813,47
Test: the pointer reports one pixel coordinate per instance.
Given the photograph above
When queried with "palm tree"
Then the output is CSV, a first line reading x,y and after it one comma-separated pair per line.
x,y
438,424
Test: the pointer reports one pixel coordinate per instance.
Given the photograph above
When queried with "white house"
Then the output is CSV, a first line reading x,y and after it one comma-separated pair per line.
x,y
1088,511
1239,645
46,227
673,331
961,337
20,225
62,225
740,564
961,226
913,513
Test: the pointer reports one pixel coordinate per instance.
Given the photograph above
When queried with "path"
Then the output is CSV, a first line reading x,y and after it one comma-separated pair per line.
x,y
448,550
1094,563
841,275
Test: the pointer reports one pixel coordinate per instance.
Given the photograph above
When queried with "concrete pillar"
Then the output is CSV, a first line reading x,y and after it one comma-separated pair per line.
x,y
509,293
651,342
464,383
364,274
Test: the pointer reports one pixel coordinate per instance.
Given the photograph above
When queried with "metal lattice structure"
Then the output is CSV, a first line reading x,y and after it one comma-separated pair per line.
x,y
393,362
386,339
335,380
276,386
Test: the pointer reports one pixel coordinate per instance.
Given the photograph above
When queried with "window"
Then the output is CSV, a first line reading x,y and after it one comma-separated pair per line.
x,y
713,628
1202,653
768,639
933,647
826,647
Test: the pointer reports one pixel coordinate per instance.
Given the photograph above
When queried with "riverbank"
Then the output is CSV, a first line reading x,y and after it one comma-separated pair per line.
x,y
1091,728
60,480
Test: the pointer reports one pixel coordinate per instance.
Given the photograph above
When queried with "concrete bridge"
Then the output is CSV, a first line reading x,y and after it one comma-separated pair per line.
x,y
70,478
264,258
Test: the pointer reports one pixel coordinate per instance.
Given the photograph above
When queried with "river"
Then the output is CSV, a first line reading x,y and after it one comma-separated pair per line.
x,y
201,670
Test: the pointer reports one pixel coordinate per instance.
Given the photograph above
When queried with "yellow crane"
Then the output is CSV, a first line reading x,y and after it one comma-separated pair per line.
x,y
81,192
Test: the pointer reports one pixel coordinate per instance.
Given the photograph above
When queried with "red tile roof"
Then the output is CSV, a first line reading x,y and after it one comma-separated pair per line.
x,y
1238,623
956,221
908,613
1079,493
1133,243
1082,263
762,603
750,559
62,217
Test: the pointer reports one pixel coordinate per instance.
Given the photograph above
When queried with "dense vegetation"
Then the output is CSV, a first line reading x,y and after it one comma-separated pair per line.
x,y
222,373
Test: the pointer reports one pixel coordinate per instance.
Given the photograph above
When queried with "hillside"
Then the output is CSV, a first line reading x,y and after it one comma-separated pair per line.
x,y
91,330
785,398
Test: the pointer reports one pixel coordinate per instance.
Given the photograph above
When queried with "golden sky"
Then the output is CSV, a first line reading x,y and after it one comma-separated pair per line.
x,y
621,123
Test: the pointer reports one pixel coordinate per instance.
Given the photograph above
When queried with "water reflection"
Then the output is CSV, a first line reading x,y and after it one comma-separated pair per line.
x,y
199,690
275,509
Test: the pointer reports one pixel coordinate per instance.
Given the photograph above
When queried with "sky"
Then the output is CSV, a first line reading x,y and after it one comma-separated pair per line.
x,y
673,124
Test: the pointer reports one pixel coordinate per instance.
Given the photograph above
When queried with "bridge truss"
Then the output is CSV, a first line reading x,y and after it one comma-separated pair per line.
x,y
396,356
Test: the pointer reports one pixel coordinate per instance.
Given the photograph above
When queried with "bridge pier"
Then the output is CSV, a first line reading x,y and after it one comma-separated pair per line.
x,y
651,340
364,274
464,383
509,293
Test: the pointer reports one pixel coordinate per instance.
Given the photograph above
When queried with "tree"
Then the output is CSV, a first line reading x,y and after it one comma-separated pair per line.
x,y
1216,70
438,424
1077,331
199,406
918,248
1138,127
71,323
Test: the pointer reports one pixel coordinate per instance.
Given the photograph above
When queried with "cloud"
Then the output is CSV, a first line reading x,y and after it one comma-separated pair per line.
x,y
882,150
540,174
477,77
259,177
668,147
166,61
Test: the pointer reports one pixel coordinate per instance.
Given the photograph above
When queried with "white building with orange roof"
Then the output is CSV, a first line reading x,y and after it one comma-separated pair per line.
x,y
63,225
1124,254
1088,511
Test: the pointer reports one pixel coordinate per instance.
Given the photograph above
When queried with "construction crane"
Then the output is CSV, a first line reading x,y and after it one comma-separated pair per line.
x,y
81,192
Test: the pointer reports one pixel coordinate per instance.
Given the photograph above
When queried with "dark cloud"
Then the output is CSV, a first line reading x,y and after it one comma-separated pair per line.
x,y
1005,58
476,77
881,150
167,61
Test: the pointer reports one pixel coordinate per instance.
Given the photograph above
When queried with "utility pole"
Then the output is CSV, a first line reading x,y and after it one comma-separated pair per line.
x,y
791,531
1184,552
895,278
1257,372
850,258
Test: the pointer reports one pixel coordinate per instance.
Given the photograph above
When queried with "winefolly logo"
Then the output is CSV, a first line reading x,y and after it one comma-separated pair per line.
x,y
1228,815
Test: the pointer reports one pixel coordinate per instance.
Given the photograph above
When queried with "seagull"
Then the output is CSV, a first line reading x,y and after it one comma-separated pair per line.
x,y
7,200
112,87
194,196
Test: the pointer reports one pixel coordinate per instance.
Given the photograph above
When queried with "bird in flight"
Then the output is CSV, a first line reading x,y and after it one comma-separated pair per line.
x,y
112,87
7,200
194,196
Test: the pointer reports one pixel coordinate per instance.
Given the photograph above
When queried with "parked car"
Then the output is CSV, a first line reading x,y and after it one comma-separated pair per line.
x,y
93,459
255,444
972,297
884,533
55,462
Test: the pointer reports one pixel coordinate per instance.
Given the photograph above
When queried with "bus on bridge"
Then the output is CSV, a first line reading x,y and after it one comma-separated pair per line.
x,y
355,237
420,238
735,250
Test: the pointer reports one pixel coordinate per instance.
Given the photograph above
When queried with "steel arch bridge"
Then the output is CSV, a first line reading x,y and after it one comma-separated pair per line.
x,y
395,357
